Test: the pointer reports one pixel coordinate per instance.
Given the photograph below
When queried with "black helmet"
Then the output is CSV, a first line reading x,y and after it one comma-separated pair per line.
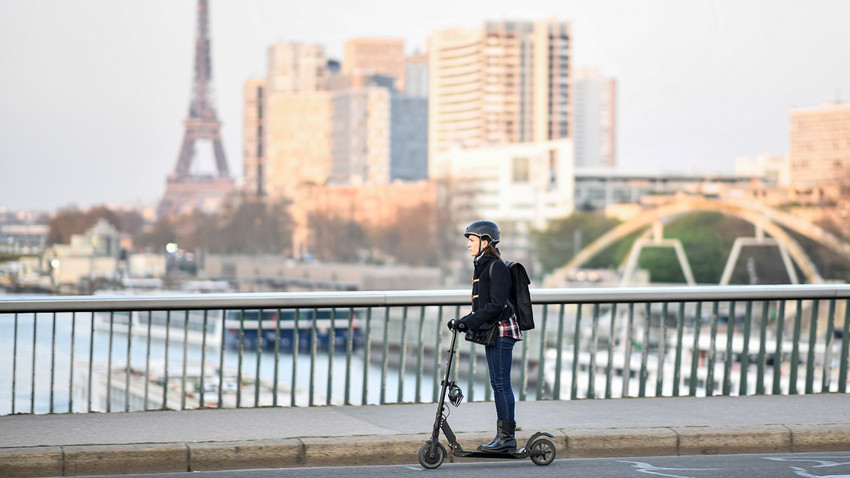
x,y
483,229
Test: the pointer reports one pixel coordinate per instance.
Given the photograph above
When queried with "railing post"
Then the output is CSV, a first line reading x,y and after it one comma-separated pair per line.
x,y
712,350
349,351
795,353
827,352
745,350
778,354
594,342
810,356
419,369
760,389
52,362
692,389
662,352
644,351
677,367
627,357
556,391
845,349
331,350
576,344
128,368
612,339
402,355
296,344
367,356
730,353
542,358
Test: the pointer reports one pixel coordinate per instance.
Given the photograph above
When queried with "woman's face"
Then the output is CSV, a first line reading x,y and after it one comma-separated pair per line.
x,y
475,245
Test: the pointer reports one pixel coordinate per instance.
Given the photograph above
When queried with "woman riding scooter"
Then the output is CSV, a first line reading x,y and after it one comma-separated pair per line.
x,y
491,283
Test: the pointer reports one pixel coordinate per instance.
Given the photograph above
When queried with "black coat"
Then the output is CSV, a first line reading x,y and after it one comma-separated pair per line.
x,y
489,295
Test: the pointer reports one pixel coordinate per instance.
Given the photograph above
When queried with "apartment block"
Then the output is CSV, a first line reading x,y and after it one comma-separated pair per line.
x,y
383,56
506,82
253,97
820,145
296,67
595,113
360,135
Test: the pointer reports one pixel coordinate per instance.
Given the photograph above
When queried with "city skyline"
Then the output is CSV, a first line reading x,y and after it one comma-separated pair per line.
x,y
93,94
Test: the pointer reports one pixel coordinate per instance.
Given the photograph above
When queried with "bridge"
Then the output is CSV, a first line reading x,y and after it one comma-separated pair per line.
x,y
765,219
268,361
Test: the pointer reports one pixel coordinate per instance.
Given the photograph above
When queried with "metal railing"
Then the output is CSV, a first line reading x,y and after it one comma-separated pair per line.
x,y
128,353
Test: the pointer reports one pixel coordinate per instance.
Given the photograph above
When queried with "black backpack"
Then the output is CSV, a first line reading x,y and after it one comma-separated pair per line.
x,y
520,298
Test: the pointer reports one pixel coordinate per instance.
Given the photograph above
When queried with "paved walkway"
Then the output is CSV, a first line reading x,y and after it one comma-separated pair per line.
x,y
168,441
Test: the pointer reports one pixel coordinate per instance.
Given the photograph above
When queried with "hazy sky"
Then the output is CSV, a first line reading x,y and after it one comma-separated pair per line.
x,y
93,93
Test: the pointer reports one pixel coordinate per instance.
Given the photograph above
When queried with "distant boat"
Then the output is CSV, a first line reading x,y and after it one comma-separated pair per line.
x,y
329,325
193,326
110,390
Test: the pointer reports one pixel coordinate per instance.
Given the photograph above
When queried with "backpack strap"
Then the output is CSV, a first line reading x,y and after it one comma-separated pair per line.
x,y
508,304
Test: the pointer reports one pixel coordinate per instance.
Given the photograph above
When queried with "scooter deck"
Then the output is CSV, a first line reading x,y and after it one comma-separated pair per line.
x,y
519,454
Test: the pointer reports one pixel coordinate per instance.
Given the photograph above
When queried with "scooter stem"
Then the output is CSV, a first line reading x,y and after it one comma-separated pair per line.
x,y
435,435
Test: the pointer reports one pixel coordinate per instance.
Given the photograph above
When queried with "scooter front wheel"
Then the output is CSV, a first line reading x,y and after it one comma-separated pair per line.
x,y
542,452
432,454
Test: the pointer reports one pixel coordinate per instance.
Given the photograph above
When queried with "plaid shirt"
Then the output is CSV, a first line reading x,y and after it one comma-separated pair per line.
x,y
510,328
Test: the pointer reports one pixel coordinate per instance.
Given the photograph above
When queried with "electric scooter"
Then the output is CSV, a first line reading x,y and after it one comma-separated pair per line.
x,y
539,449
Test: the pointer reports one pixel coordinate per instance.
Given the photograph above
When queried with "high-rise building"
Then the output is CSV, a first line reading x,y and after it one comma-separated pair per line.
x,y
305,124
296,67
382,56
595,113
252,137
408,137
416,76
292,128
503,83
360,135
820,144
297,142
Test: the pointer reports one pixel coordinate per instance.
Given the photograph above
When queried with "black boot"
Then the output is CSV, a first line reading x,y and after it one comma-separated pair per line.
x,y
499,425
505,441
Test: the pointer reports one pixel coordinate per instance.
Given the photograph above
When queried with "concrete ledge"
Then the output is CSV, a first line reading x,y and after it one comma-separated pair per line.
x,y
826,437
38,461
743,439
118,459
243,455
593,443
366,450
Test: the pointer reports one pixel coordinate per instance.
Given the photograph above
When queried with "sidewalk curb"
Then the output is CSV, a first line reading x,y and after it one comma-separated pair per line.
x,y
402,449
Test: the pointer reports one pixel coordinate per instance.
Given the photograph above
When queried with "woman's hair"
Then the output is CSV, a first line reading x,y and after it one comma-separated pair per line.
x,y
491,250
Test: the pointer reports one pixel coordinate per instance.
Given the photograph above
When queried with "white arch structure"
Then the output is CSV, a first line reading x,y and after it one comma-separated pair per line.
x,y
767,219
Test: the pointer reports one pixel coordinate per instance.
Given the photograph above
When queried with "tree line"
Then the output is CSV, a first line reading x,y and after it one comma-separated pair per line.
x,y
417,236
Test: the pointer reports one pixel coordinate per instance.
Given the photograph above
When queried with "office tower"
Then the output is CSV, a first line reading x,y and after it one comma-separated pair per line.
x,y
416,76
252,137
298,137
595,116
503,83
296,119
820,145
296,67
408,137
382,56
360,135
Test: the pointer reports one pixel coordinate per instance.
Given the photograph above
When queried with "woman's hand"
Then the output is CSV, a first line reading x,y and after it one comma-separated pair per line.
x,y
457,324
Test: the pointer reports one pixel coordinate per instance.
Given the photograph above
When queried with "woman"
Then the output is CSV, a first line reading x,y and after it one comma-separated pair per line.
x,y
491,283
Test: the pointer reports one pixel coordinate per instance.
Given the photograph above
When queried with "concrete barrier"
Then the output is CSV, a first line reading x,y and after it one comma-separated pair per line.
x,y
119,459
31,461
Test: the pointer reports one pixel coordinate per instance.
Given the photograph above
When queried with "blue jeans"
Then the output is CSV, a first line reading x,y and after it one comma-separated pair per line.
x,y
499,360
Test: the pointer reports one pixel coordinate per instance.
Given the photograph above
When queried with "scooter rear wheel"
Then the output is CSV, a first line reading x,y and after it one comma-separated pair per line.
x,y
542,452
431,455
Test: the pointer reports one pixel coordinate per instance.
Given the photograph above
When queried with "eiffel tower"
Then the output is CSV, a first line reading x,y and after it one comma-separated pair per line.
x,y
183,189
